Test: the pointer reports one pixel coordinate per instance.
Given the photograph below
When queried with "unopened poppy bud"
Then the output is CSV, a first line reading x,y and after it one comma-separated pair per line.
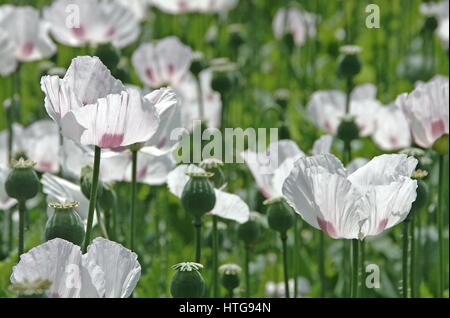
x,y
441,145
279,215
87,173
348,130
349,63
430,25
108,198
214,166
198,66
249,231
198,195
22,182
230,276
187,282
65,223
34,289
109,55
221,82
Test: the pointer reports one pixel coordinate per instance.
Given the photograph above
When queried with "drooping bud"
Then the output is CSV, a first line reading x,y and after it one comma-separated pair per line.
x,y
22,182
65,223
230,276
280,215
187,282
348,130
87,173
349,63
422,190
214,166
249,231
34,289
198,195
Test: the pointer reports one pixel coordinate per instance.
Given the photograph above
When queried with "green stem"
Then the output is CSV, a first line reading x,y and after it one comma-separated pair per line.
x,y
198,239
201,106
98,213
215,249
362,249
322,263
440,219
22,209
412,259
133,198
285,264
93,196
295,256
344,264
10,231
405,260
247,271
230,293
355,274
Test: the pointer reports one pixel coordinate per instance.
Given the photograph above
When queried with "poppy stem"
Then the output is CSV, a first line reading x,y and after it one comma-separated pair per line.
x,y
100,221
198,239
355,260
247,271
22,209
93,196
362,249
295,256
201,106
215,248
10,231
285,264
405,259
441,228
412,263
322,263
134,154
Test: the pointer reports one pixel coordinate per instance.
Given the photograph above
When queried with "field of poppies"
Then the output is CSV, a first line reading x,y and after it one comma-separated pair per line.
x,y
224,148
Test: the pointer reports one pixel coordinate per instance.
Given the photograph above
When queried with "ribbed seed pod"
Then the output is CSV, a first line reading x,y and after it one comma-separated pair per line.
x,y
198,195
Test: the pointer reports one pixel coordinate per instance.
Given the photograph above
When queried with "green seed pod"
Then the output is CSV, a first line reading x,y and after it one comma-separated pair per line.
x,y
249,232
230,276
65,223
34,289
108,198
109,55
198,66
198,195
422,196
20,154
187,282
348,130
279,215
430,25
221,82
87,173
284,132
349,63
214,166
22,182
441,145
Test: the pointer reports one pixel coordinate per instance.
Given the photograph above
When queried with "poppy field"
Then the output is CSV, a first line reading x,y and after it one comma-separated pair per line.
x,y
224,149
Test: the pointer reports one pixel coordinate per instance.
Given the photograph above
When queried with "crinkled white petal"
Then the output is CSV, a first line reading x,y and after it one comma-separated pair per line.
x,y
322,145
177,178
230,206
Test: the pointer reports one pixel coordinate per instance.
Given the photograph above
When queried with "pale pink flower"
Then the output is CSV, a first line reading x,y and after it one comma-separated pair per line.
x,y
301,24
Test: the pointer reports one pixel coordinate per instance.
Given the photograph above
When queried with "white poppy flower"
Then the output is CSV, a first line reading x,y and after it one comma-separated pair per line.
x,y
4,147
178,6
391,129
373,198
439,10
8,61
164,63
5,201
355,164
40,143
91,22
107,270
300,24
212,102
263,165
138,7
327,108
216,6
228,206
27,33
426,109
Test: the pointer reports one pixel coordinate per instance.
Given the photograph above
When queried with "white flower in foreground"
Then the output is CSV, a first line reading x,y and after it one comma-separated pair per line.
x,y
163,63
391,129
5,201
300,24
40,143
327,108
371,199
212,102
426,109
228,206
107,270
99,22
24,34
355,164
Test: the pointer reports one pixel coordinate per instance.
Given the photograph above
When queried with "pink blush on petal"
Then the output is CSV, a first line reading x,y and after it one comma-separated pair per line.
x,y
45,166
27,49
111,33
79,32
149,74
111,141
182,5
393,141
382,225
327,227
141,173
437,128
